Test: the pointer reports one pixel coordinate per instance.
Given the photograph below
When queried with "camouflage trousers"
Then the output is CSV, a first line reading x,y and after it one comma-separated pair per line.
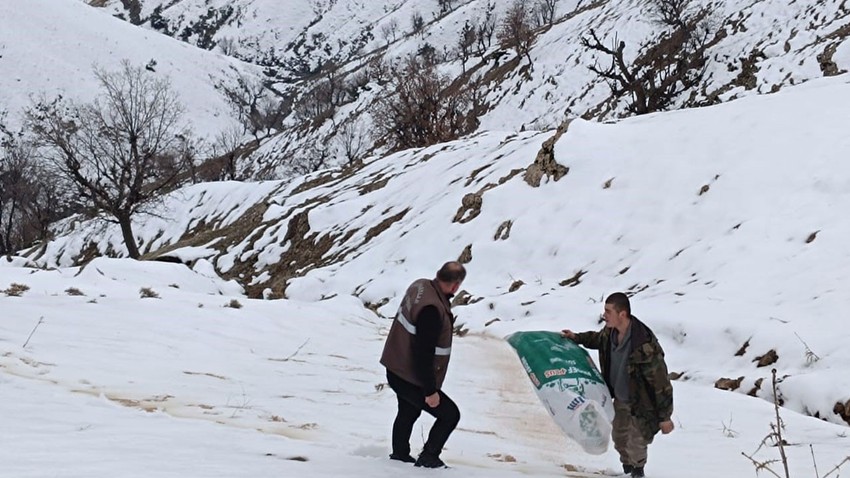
x,y
628,440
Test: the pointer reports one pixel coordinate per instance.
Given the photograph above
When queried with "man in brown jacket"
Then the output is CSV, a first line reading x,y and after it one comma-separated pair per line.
x,y
416,356
632,363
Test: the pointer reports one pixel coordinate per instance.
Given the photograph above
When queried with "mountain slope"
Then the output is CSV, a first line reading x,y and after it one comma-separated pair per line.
x,y
51,47
754,48
702,215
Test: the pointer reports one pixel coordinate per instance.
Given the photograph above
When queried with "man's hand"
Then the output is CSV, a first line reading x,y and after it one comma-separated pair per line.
x,y
666,427
568,334
433,400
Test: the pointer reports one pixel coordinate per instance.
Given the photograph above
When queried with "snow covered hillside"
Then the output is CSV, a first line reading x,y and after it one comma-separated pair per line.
x,y
753,48
50,48
143,369
724,222
246,343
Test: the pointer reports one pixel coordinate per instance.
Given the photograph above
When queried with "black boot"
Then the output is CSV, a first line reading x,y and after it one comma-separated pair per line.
x,y
627,469
429,460
406,458
637,472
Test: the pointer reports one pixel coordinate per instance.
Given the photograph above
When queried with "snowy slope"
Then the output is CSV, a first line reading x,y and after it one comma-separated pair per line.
x,y
50,47
724,222
292,41
113,384
758,47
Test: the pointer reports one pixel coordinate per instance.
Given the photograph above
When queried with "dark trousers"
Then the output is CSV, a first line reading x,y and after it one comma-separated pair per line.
x,y
411,403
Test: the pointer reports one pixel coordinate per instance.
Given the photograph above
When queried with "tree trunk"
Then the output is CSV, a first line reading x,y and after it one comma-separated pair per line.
x,y
7,241
127,232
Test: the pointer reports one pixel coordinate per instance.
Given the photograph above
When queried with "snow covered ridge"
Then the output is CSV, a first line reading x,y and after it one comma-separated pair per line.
x,y
51,47
725,223
755,48
781,43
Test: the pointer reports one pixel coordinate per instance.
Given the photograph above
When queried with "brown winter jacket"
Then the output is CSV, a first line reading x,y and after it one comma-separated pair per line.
x,y
650,390
398,355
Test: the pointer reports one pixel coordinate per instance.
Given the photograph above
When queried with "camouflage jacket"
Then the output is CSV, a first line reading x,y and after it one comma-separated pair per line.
x,y
650,390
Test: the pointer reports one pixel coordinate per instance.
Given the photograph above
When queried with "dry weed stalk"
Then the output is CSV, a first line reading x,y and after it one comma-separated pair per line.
x,y
775,436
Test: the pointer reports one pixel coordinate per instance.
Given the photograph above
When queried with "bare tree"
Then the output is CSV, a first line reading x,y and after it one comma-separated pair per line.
x,y
486,28
30,196
319,103
336,88
445,5
422,109
672,13
516,32
123,150
309,160
465,43
417,23
195,152
389,31
544,11
227,46
257,107
269,114
351,140
428,53
243,98
225,152
674,63
7,180
379,69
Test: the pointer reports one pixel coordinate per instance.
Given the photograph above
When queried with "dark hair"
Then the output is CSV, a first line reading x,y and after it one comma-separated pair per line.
x,y
451,272
620,302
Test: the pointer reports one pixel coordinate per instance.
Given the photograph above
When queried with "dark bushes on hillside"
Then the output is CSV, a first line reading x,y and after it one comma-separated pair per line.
x,y
422,109
673,63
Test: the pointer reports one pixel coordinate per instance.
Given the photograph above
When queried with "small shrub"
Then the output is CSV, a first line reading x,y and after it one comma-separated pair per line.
x,y
234,304
417,22
516,30
16,290
445,5
148,293
73,291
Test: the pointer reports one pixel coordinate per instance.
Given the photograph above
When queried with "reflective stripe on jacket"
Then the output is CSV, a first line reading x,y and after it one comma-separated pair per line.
x,y
398,349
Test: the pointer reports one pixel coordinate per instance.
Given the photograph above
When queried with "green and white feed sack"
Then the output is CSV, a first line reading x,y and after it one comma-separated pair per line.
x,y
569,385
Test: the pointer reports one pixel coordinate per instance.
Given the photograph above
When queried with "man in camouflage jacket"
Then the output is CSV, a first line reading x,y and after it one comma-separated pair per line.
x,y
632,363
